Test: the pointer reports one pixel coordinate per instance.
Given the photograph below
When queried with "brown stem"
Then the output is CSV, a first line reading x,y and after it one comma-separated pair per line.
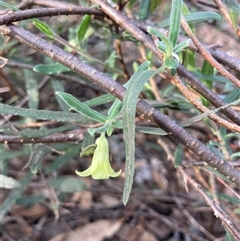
x,y
227,60
45,12
220,121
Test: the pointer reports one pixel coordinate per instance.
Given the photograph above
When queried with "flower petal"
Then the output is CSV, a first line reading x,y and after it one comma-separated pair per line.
x,y
100,175
100,167
87,172
108,169
115,174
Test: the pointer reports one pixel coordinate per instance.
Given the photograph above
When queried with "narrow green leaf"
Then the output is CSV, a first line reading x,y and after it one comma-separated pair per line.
x,y
234,155
185,11
131,3
144,9
138,73
167,42
230,135
189,60
89,150
175,21
45,114
178,155
114,109
201,17
6,5
81,32
207,69
229,236
128,116
43,27
111,60
151,130
209,77
207,113
232,5
55,68
80,107
31,84
14,194
154,4
180,46
234,17
229,198
162,46
103,99
192,18
58,86
171,63
87,140
217,173
233,95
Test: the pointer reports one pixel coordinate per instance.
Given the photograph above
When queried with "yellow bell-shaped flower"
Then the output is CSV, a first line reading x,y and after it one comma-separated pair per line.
x,y
100,167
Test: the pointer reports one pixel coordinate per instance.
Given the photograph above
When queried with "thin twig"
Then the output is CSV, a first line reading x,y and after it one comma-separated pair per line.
x,y
73,136
227,60
184,90
50,4
206,55
46,12
191,219
152,81
120,53
222,8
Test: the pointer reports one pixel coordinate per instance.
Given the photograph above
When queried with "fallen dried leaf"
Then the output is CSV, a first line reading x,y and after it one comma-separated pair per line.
x,y
96,231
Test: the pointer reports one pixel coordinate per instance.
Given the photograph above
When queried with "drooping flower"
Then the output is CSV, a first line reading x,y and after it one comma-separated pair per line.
x,y
100,167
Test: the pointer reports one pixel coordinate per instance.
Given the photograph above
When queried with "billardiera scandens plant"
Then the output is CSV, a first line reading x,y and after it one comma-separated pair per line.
x,y
100,167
